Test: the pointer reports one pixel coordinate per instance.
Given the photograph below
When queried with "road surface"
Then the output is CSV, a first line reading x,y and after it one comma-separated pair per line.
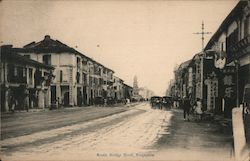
x,y
126,133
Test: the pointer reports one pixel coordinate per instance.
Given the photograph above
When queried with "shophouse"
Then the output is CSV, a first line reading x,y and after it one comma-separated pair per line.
x,y
78,78
25,83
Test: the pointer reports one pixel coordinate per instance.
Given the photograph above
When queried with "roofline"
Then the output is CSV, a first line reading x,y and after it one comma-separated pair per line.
x,y
225,22
118,78
127,85
27,60
70,50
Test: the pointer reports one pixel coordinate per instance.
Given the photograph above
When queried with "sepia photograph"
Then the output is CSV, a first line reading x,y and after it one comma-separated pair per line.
x,y
115,80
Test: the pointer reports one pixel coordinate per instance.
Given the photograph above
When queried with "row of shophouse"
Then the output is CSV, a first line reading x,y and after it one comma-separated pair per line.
x,y
219,76
49,72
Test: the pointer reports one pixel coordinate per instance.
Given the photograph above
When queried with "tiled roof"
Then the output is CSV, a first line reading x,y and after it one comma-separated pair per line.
x,y
48,45
8,54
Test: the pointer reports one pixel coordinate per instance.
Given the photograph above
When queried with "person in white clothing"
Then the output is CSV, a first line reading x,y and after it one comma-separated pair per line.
x,y
198,108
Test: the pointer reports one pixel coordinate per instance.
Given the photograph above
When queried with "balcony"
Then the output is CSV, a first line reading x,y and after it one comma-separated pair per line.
x,y
240,48
16,79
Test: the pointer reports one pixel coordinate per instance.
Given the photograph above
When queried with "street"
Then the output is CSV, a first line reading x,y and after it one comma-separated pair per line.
x,y
135,132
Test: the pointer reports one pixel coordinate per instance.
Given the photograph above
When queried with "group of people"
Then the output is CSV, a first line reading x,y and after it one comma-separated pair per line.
x,y
188,107
18,101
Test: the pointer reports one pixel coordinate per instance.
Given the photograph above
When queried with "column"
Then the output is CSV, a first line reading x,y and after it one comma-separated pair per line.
x,y
88,94
7,97
71,95
47,97
74,99
41,99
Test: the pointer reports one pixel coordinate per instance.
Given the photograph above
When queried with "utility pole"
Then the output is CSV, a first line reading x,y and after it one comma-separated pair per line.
x,y
202,35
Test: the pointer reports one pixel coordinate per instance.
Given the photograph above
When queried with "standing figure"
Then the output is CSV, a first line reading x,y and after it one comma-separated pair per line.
x,y
58,102
199,109
13,103
186,108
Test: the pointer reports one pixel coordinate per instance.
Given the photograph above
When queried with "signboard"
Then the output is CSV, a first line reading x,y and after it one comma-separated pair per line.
x,y
229,82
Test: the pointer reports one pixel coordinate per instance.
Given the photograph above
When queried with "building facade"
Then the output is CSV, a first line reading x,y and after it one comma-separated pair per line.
x,y
25,83
78,78
128,91
217,76
119,89
232,43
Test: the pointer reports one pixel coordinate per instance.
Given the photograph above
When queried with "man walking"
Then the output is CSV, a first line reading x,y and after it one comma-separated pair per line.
x,y
186,108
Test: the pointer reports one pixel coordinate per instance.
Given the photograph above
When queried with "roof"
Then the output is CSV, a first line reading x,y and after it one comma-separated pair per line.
x,y
118,78
48,45
227,21
8,54
127,85
185,64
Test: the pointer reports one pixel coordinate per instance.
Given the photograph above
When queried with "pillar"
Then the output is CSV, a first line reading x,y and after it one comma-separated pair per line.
x,y
88,95
71,95
41,99
47,97
7,97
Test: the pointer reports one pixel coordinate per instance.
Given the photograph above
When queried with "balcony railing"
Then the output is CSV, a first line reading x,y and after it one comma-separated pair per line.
x,y
16,79
239,49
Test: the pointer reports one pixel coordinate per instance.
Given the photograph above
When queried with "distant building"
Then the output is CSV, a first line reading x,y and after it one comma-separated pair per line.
x,y
145,93
118,87
136,96
25,83
180,90
128,91
135,87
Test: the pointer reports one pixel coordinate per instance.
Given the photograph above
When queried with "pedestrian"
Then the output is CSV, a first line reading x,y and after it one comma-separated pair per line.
x,y
57,102
198,109
186,108
13,104
125,101
26,100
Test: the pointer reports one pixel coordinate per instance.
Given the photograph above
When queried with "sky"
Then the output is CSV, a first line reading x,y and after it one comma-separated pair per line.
x,y
145,38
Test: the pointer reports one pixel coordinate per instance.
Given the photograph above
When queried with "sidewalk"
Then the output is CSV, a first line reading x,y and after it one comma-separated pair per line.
x,y
195,138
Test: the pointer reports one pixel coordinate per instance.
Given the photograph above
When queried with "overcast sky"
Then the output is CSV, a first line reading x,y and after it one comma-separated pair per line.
x,y
143,38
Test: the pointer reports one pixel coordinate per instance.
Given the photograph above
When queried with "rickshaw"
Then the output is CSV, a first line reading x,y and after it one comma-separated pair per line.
x,y
166,102
156,102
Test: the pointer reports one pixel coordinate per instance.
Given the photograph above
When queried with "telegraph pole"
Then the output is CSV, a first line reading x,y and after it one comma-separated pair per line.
x,y
202,35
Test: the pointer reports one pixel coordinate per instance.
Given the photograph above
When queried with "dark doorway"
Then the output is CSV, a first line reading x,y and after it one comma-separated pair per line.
x,y
53,94
84,96
92,96
3,90
79,96
66,99
115,96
